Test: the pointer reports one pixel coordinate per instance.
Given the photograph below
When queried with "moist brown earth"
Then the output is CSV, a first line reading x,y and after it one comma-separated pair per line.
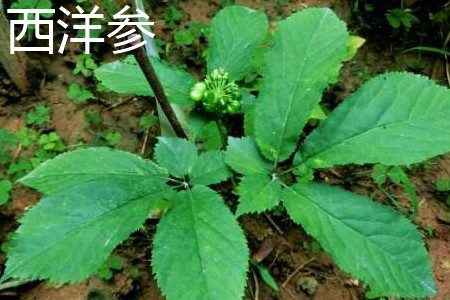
x,y
295,258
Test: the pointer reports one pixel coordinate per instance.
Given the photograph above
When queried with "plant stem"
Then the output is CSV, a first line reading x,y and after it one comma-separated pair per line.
x,y
223,138
160,95
11,284
222,133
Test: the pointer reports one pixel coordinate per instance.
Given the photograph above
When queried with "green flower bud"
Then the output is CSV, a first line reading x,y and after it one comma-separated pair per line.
x,y
237,95
196,95
234,107
200,86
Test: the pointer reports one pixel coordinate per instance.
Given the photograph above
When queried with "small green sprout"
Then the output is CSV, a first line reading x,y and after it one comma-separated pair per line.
x,y
113,138
114,263
85,65
173,16
40,116
79,93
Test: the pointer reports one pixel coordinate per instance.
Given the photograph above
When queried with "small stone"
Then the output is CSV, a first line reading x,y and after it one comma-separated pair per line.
x,y
445,264
308,285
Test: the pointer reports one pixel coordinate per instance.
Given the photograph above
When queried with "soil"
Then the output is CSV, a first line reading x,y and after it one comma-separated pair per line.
x,y
291,255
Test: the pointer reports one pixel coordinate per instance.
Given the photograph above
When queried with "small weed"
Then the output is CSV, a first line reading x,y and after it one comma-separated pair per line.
x,y
51,141
173,16
39,116
27,137
79,93
113,138
381,173
93,119
42,146
147,122
191,34
401,17
106,271
85,65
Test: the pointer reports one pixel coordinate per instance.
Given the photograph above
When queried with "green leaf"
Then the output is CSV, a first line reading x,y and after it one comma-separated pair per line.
x,y
248,108
78,93
236,34
114,262
209,168
411,191
125,76
105,273
354,44
210,136
397,175
90,164
184,37
430,49
317,113
69,234
305,58
379,174
173,16
204,131
394,119
7,140
199,236
5,188
33,4
113,138
39,116
176,155
148,121
443,185
243,156
267,277
85,65
365,238
249,121
258,193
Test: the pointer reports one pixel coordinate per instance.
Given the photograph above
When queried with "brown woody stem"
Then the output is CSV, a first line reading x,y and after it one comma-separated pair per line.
x,y
160,95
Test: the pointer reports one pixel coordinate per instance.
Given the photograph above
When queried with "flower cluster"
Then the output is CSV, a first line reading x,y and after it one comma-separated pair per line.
x,y
218,94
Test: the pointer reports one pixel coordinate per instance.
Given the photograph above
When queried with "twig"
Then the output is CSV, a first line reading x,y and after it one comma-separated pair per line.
x,y
17,153
160,95
250,289
447,67
255,278
274,224
121,103
144,144
11,284
290,293
274,260
296,271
